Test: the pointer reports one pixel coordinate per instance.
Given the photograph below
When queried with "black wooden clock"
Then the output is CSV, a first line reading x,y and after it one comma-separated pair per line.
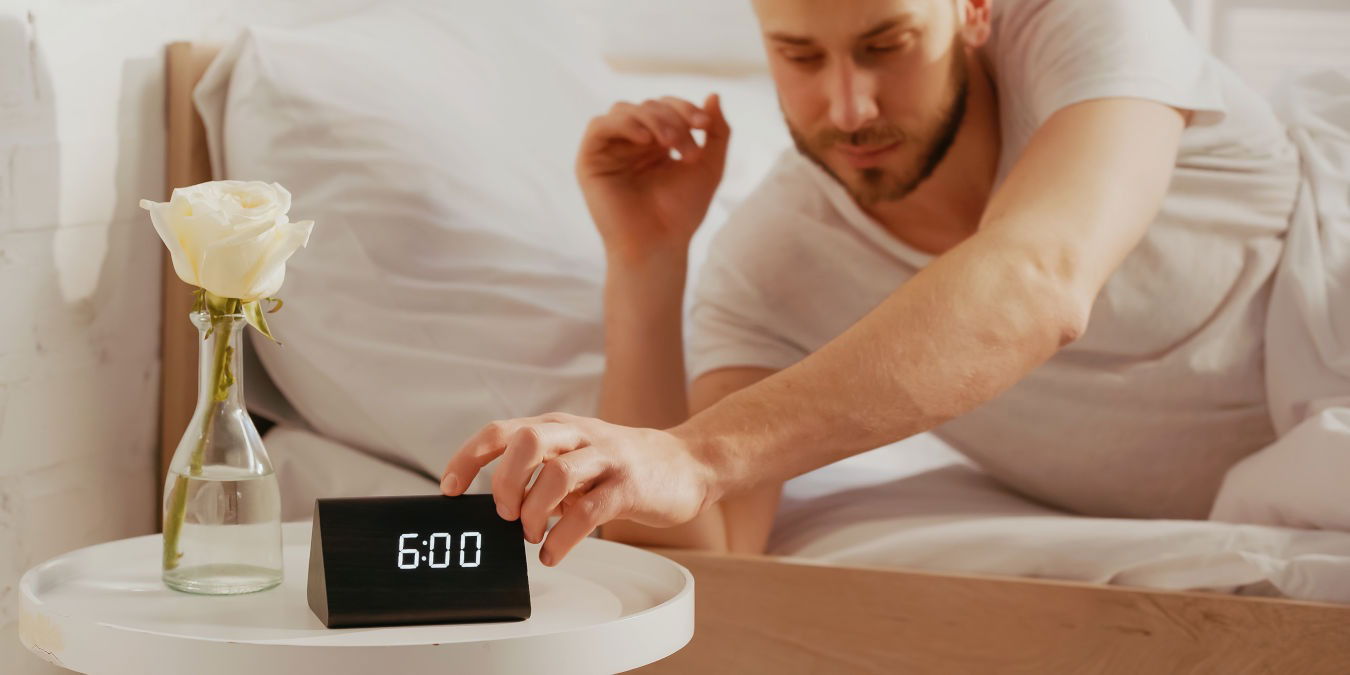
x,y
380,561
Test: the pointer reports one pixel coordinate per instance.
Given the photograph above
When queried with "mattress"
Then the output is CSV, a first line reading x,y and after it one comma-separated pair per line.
x,y
919,504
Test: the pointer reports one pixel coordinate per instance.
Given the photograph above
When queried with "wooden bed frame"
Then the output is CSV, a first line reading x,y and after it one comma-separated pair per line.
x,y
762,614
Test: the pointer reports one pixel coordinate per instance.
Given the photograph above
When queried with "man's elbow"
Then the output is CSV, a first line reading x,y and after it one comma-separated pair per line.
x,y
1070,317
1060,301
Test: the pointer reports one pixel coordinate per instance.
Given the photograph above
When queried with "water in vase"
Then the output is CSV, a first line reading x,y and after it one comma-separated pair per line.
x,y
231,533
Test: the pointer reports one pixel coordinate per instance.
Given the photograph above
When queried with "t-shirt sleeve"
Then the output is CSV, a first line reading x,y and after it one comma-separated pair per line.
x,y
1055,53
731,323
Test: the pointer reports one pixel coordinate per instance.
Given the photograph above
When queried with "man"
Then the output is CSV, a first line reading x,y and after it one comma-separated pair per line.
x,y
1045,229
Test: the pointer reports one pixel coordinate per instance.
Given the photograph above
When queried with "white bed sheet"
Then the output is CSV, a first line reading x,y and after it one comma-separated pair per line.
x,y
919,504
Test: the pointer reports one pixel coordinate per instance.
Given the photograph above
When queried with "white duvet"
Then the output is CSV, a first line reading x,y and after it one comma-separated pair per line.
x,y
919,504
1303,479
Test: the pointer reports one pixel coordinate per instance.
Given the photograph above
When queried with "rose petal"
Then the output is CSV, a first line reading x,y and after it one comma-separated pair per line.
x,y
272,271
182,265
255,268
228,269
195,226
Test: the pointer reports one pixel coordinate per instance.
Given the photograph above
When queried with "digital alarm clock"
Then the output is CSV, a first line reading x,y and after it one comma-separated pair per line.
x,y
381,561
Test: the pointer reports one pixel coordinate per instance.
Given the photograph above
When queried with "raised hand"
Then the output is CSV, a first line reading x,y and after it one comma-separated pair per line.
x,y
642,199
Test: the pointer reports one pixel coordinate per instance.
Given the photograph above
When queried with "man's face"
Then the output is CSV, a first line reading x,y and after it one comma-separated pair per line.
x,y
873,90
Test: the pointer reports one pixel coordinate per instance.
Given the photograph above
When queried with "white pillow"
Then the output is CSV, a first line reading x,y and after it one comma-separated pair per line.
x,y
454,276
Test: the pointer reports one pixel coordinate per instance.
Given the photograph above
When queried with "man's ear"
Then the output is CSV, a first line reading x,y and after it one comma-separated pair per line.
x,y
974,17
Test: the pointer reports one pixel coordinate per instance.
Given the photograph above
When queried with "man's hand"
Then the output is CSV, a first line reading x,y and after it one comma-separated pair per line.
x,y
593,472
640,197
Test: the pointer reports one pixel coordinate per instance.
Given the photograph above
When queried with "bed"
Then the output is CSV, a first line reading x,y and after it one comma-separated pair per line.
x,y
815,606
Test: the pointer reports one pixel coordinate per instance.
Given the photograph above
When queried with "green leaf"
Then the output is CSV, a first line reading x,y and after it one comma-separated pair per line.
x,y
198,300
275,307
254,315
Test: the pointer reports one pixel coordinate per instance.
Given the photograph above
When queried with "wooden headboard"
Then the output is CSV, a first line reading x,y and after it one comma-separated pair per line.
x,y
187,163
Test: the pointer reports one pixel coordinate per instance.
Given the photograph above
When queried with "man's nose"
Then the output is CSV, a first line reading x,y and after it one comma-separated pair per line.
x,y
852,93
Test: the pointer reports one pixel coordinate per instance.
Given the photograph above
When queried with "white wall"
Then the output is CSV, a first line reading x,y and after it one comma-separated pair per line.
x,y
81,141
1262,39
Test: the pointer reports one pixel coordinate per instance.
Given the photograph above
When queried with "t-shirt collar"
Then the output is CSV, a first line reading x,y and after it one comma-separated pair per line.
x,y
855,217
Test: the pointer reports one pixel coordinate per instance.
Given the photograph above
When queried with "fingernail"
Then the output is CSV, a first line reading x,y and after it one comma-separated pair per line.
x,y
504,512
701,118
546,558
449,483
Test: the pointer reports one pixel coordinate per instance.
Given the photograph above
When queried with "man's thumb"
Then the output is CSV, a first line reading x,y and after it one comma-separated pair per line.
x,y
719,132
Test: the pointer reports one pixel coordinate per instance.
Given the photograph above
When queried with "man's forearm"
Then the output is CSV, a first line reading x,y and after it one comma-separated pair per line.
x,y
644,380
960,332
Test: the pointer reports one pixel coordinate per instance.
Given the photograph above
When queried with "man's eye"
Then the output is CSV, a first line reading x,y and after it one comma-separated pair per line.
x,y
802,57
893,43
883,47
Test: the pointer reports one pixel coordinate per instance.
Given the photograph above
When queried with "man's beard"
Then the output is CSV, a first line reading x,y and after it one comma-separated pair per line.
x,y
879,183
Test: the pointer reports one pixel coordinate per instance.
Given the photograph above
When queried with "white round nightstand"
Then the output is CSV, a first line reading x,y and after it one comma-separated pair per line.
x,y
103,609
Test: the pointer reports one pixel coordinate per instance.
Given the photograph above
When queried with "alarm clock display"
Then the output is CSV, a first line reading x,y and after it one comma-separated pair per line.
x,y
416,559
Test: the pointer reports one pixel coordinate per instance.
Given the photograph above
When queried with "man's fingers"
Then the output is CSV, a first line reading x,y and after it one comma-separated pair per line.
x,y
674,128
691,113
638,121
601,505
621,122
667,122
694,116
561,478
481,448
526,449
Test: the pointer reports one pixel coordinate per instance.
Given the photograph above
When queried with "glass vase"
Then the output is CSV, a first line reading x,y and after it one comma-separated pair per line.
x,y
222,504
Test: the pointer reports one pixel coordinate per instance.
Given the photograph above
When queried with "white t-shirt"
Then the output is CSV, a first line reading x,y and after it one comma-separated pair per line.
x,y
1165,391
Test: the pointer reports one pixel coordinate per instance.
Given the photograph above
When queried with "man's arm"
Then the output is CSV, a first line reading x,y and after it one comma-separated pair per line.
x,y
968,326
644,386
973,322
737,524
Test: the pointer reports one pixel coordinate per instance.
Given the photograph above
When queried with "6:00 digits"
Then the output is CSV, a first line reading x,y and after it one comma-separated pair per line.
x,y
431,550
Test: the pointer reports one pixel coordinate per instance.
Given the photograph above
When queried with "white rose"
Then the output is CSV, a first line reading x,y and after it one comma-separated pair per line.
x,y
230,237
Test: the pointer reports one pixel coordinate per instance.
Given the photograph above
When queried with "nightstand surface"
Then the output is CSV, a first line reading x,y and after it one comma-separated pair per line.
x,y
103,609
